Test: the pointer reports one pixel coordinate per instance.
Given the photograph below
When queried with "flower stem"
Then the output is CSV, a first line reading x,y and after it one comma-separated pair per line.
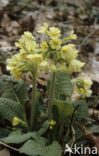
x,y
33,102
51,95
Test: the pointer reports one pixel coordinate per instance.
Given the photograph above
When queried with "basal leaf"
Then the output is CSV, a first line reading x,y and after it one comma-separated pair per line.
x,y
65,109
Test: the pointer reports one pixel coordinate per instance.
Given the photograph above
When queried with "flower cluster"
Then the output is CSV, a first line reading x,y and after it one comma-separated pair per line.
x,y
29,59
84,87
64,57
33,57
52,123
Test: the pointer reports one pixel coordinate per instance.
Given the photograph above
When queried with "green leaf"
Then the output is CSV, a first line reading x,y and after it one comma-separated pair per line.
x,y
65,109
94,129
20,91
10,109
17,137
4,132
4,82
12,89
63,86
38,139
32,148
82,110
44,128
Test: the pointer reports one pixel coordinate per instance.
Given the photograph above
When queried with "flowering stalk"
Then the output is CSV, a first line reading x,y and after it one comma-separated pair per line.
x,y
51,95
33,101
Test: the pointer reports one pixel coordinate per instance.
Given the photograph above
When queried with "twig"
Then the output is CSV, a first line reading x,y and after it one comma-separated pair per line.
x,y
10,147
73,139
72,118
88,133
89,35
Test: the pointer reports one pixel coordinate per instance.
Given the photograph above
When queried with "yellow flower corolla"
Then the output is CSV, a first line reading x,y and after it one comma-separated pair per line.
x,y
87,83
51,127
83,87
34,58
44,28
84,83
30,45
29,35
16,73
68,52
84,92
44,46
88,92
44,65
75,66
15,66
19,44
15,121
72,36
52,123
54,33
27,42
55,43
62,67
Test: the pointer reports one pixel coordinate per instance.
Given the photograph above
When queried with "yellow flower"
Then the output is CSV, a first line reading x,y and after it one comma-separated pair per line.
x,y
14,66
44,65
87,83
55,44
83,87
26,42
72,36
68,52
34,58
16,73
75,66
44,46
22,63
88,92
51,127
44,28
29,35
62,67
54,33
30,45
17,64
52,123
16,121
84,92
81,83
20,45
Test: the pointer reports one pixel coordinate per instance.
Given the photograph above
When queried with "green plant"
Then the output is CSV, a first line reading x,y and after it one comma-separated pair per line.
x,y
45,129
